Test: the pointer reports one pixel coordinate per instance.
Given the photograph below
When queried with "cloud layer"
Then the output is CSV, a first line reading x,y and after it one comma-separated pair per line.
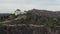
x,y
11,5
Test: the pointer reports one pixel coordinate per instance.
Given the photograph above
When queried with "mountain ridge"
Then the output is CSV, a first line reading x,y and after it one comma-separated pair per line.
x,y
45,13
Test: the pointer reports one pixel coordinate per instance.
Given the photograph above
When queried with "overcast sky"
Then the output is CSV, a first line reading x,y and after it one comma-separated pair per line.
x,y
12,5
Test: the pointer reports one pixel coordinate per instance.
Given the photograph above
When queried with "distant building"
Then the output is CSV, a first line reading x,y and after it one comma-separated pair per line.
x,y
18,11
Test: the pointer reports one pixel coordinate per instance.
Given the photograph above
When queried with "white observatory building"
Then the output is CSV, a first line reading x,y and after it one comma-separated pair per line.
x,y
18,11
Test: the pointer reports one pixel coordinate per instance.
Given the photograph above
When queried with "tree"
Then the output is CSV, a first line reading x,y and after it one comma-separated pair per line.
x,y
50,22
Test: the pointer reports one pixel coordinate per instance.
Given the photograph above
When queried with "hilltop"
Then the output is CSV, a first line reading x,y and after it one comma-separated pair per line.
x,y
45,13
34,16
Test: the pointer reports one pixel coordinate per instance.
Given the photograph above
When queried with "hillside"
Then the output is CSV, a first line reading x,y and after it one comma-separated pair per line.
x,y
34,19
45,13
36,16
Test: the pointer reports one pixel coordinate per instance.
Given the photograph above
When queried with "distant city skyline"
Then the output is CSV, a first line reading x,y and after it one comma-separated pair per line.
x,y
9,6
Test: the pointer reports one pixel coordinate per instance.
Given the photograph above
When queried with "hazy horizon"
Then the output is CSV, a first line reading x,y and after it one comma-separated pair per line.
x,y
9,6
